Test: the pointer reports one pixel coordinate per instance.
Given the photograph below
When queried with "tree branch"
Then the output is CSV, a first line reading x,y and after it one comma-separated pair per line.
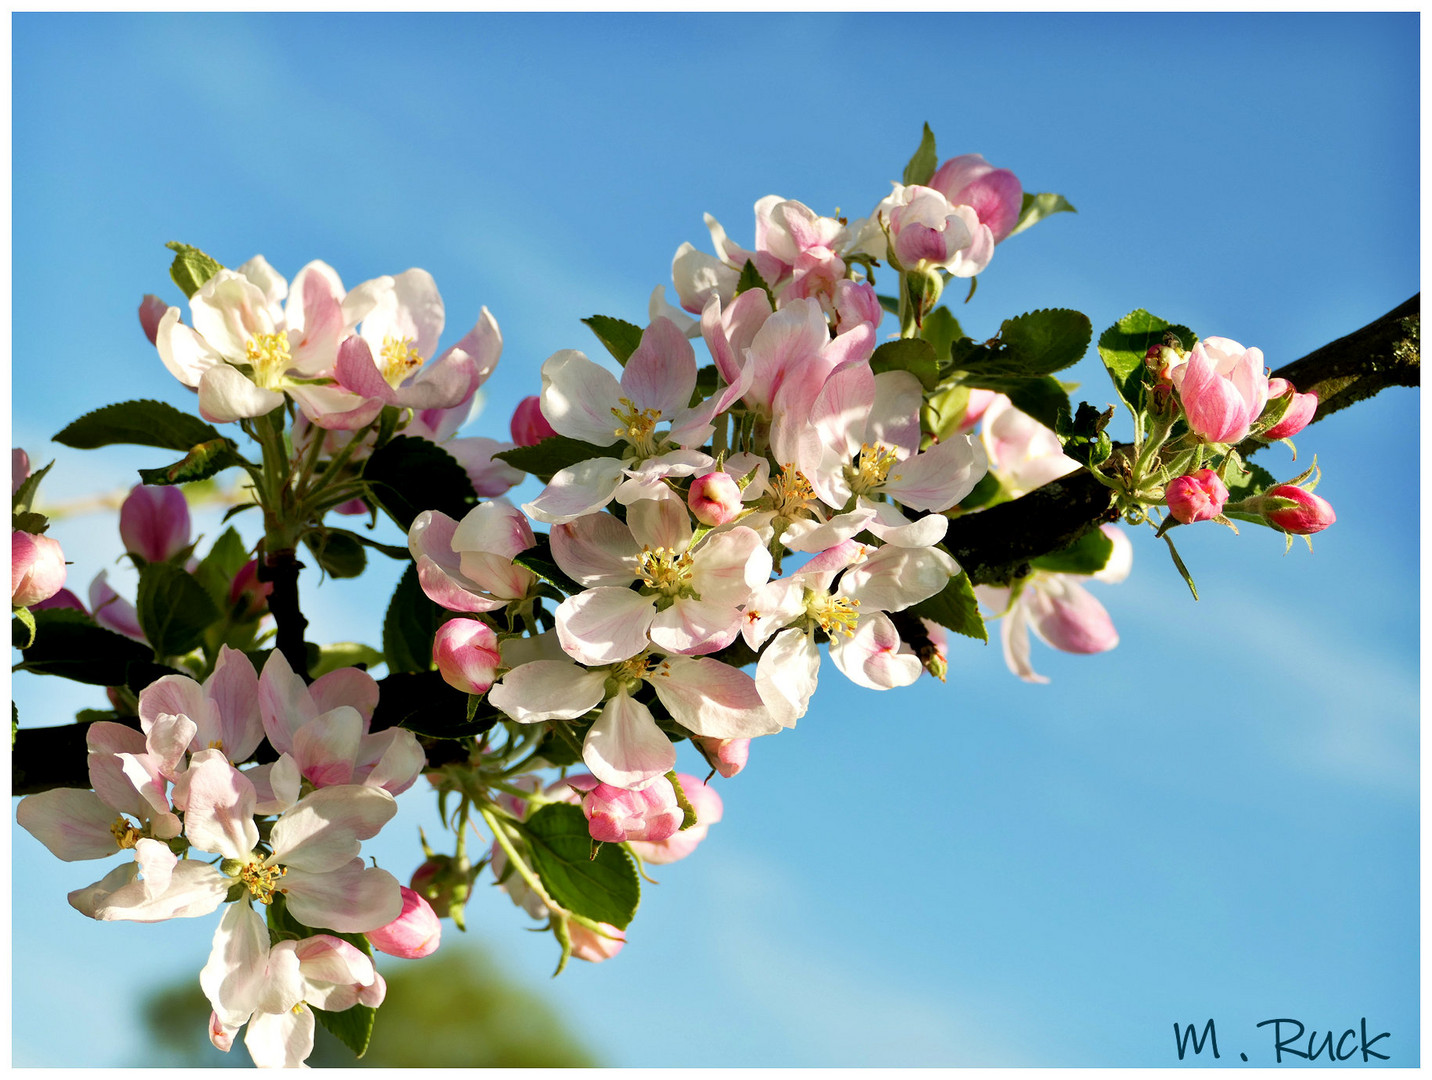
x,y
994,546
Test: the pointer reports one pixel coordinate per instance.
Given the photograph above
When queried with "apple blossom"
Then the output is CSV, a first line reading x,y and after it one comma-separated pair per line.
x,y
529,426
726,756
995,195
467,565
1222,387
1299,414
595,946
1312,513
678,845
714,498
615,815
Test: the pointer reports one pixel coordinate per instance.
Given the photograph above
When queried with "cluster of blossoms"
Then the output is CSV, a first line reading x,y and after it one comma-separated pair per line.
x,y
706,533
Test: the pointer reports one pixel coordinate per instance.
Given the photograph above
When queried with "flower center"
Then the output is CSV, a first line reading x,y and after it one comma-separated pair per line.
x,y
873,469
638,427
833,614
262,880
398,360
126,833
665,570
790,492
268,355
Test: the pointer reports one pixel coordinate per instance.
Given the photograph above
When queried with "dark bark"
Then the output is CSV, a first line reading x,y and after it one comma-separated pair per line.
x,y
992,546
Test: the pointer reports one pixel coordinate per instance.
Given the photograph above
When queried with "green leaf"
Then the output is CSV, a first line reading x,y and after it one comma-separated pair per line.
x,y
28,622
341,654
1178,563
604,889
955,608
907,354
1043,342
558,751
426,705
410,475
941,329
1122,348
30,522
922,164
200,463
1035,208
539,560
751,279
410,624
68,643
137,423
338,552
620,337
1087,555
191,267
24,495
554,454
174,609
216,570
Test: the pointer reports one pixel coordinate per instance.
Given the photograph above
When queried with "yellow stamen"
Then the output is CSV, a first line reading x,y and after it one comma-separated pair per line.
x,y
262,880
638,427
873,470
833,614
268,355
126,834
665,570
398,360
790,492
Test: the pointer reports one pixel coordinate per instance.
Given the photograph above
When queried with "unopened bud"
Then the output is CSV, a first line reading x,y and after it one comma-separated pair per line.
x,y
151,310
466,654
446,884
615,815
154,522
248,589
1198,496
19,468
714,498
1311,514
1298,415
592,946
415,933
726,756
37,568
529,426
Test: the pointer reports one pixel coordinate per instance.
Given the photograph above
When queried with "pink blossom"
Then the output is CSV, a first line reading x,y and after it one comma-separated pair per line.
x,y
925,227
592,946
1223,388
37,568
1197,497
111,610
467,565
714,498
1312,514
678,845
995,195
529,426
62,599
154,522
413,934
1023,453
247,587
224,708
616,814
1300,411
465,652
856,303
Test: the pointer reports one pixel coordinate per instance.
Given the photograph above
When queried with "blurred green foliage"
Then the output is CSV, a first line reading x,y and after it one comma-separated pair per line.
x,y
451,1010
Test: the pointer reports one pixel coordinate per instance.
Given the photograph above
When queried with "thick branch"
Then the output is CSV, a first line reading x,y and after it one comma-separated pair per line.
x,y
995,545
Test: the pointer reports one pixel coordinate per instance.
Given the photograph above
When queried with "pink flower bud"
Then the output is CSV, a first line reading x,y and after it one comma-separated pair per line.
x,y
154,522
529,426
19,469
62,599
708,807
594,947
727,756
714,498
248,588
856,303
1223,388
444,884
465,651
615,814
1299,414
995,194
151,310
1196,497
415,933
1312,514
37,568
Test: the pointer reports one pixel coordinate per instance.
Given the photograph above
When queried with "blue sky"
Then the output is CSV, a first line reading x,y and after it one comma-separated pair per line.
x,y
1218,818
